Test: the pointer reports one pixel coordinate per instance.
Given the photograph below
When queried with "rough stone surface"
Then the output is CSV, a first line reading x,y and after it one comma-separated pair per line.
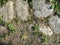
x,y
45,29
22,9
7,11
3,30
54,23
41,8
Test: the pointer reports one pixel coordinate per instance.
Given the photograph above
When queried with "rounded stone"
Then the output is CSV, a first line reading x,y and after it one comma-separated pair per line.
x,y
6,11
41,9
54,23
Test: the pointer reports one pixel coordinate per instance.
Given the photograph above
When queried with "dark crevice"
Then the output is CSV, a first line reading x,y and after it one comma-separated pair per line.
x,y
47,1
2,43
24,0
2,2
30,3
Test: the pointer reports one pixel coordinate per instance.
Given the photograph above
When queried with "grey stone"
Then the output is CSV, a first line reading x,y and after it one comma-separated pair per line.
x,y
41,9
7,12
22,9
45,29
3,30
54,23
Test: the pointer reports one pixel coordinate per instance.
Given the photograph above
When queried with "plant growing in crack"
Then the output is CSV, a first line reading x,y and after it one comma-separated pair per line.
x,y
36,29
56,6
1,17
2,22
11,28
46,38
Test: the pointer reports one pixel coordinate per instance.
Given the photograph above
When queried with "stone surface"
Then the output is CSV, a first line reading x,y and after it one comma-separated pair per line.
x,y
22,9
7,11
45,29
41,9
54,23
3,30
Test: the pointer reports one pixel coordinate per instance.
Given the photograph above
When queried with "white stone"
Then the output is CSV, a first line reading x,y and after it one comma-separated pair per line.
x,y
22,9
54,23
7,11
46,30
41,9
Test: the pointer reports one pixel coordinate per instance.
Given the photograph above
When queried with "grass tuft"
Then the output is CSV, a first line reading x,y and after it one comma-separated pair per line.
x,y
56,6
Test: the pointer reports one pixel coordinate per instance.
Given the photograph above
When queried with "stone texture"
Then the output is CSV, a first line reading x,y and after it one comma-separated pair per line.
x,y
41,9
7,11
22,9
45,29
54,23
3,30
